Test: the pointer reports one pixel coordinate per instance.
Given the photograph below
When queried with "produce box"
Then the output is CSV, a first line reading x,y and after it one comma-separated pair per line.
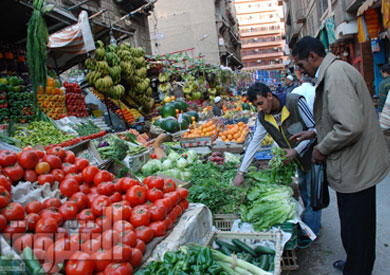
x,y
224,222
293,229
251,238
135,162
86,150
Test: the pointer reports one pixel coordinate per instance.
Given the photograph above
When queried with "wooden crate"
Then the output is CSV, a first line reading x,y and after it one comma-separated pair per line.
x,y
224,222
252,238
289,260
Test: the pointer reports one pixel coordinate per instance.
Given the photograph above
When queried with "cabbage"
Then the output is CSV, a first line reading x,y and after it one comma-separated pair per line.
x,y
229,157
147,169
173,156
175,173
192,156
186,175
156,164
182,163
167,164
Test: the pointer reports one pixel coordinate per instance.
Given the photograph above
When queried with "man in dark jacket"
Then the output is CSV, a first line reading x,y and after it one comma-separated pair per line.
x,y
384,86
217,107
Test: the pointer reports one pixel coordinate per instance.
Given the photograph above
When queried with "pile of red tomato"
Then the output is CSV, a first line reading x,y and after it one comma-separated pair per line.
x,y
115,217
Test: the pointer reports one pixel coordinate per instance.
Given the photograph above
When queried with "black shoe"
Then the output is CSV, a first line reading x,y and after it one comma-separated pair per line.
x,y
304,242
339,265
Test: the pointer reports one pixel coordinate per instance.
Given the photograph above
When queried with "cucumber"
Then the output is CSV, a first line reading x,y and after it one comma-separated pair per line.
x,y
263,262
270,261
226,251
227,245
244,247
264,250
31,261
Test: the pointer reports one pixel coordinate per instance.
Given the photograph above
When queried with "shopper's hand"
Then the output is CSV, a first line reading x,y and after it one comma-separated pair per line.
x,y
238,180
304,135
291,154
317,157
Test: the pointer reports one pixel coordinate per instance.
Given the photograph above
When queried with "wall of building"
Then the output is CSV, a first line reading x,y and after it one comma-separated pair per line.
x,y
181,24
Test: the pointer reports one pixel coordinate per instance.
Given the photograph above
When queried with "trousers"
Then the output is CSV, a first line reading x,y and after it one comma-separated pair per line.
x,y
310,217
357,212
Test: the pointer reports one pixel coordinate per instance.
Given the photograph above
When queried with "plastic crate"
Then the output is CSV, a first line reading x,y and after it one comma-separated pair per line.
x,y
293,229
251,238
224,222
289,260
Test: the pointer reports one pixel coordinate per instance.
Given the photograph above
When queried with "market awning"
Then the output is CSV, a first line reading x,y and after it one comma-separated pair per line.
x,y
365,6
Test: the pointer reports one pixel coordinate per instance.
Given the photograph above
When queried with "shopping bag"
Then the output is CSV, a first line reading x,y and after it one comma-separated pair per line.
x,y
319,193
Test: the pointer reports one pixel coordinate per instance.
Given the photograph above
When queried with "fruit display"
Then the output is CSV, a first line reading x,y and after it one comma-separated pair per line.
x,y
191,88
234,132
113,64
75,102
15,101
207,129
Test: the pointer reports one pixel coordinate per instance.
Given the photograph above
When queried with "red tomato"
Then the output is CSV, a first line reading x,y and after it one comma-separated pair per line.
x,y
104,222
168,223
46,225
136,257
126,183
4,197
116,197
58,174
80,199
85,188
42,179
86,215
141,245
70,157
54,161
61,233
169,186
26,240
14,227
183,192
8,157
42,242
28,159
122,226
102,176
117,185
49,268
158,212
154,194
110,238
89,230
118,269
128,237
31,221
5,182
91,197
99,204
75,176
30,175
69,168
49,213
52,203
91,246
158,228
68,210
57,151
75,242
81,163
89,173
184,204
165,202
124,202
144,233
93,190
42,168
102,259
153,181
14,172
40,153
118,212
80,263
173,216
121,253
105,188
59,251
13,211
174,196
140,217
3,222
136,195
68,187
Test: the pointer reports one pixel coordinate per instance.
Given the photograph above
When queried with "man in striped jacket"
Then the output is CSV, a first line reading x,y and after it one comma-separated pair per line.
x,y
283,115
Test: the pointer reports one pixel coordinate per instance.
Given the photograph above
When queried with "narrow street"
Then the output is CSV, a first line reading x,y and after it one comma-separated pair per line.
x,y
318,259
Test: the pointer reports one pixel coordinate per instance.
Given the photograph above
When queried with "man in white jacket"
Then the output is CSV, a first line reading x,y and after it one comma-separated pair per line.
x,y
307,90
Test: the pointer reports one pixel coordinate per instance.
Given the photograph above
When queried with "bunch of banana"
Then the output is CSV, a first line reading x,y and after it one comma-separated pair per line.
x,y
268,140
125,55
112,48
100,54
212,91
99,44
115,73
163,77
141,72
92,77
127,69
102,67
164,87
139,61
112,59
116,92
104,84
90,64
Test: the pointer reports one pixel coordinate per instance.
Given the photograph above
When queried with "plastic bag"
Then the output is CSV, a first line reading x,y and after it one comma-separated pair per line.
x,y
319,197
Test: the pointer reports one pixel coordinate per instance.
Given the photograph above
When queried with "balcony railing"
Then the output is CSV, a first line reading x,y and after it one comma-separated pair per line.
x,y
260,29
261,40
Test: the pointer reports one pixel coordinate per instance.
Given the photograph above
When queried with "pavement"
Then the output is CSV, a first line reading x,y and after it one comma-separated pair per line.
x,y
327,248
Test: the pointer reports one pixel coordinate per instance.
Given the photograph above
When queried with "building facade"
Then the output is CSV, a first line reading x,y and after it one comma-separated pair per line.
x,y
336,24
201,28
261,31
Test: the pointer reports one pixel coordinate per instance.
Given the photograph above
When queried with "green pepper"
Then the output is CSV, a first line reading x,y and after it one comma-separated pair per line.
x,y
209,257
170,258
195,270
214,268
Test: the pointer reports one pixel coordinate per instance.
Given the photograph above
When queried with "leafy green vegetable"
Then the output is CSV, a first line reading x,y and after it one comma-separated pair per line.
x,y
86,129
116,150
281,173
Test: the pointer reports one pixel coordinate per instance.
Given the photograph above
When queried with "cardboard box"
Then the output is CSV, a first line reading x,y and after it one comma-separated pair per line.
x,y
87,150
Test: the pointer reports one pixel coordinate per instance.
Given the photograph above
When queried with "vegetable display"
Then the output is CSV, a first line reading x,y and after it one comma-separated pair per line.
x,y
280,172
207,129
234,133
75,102
86,129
